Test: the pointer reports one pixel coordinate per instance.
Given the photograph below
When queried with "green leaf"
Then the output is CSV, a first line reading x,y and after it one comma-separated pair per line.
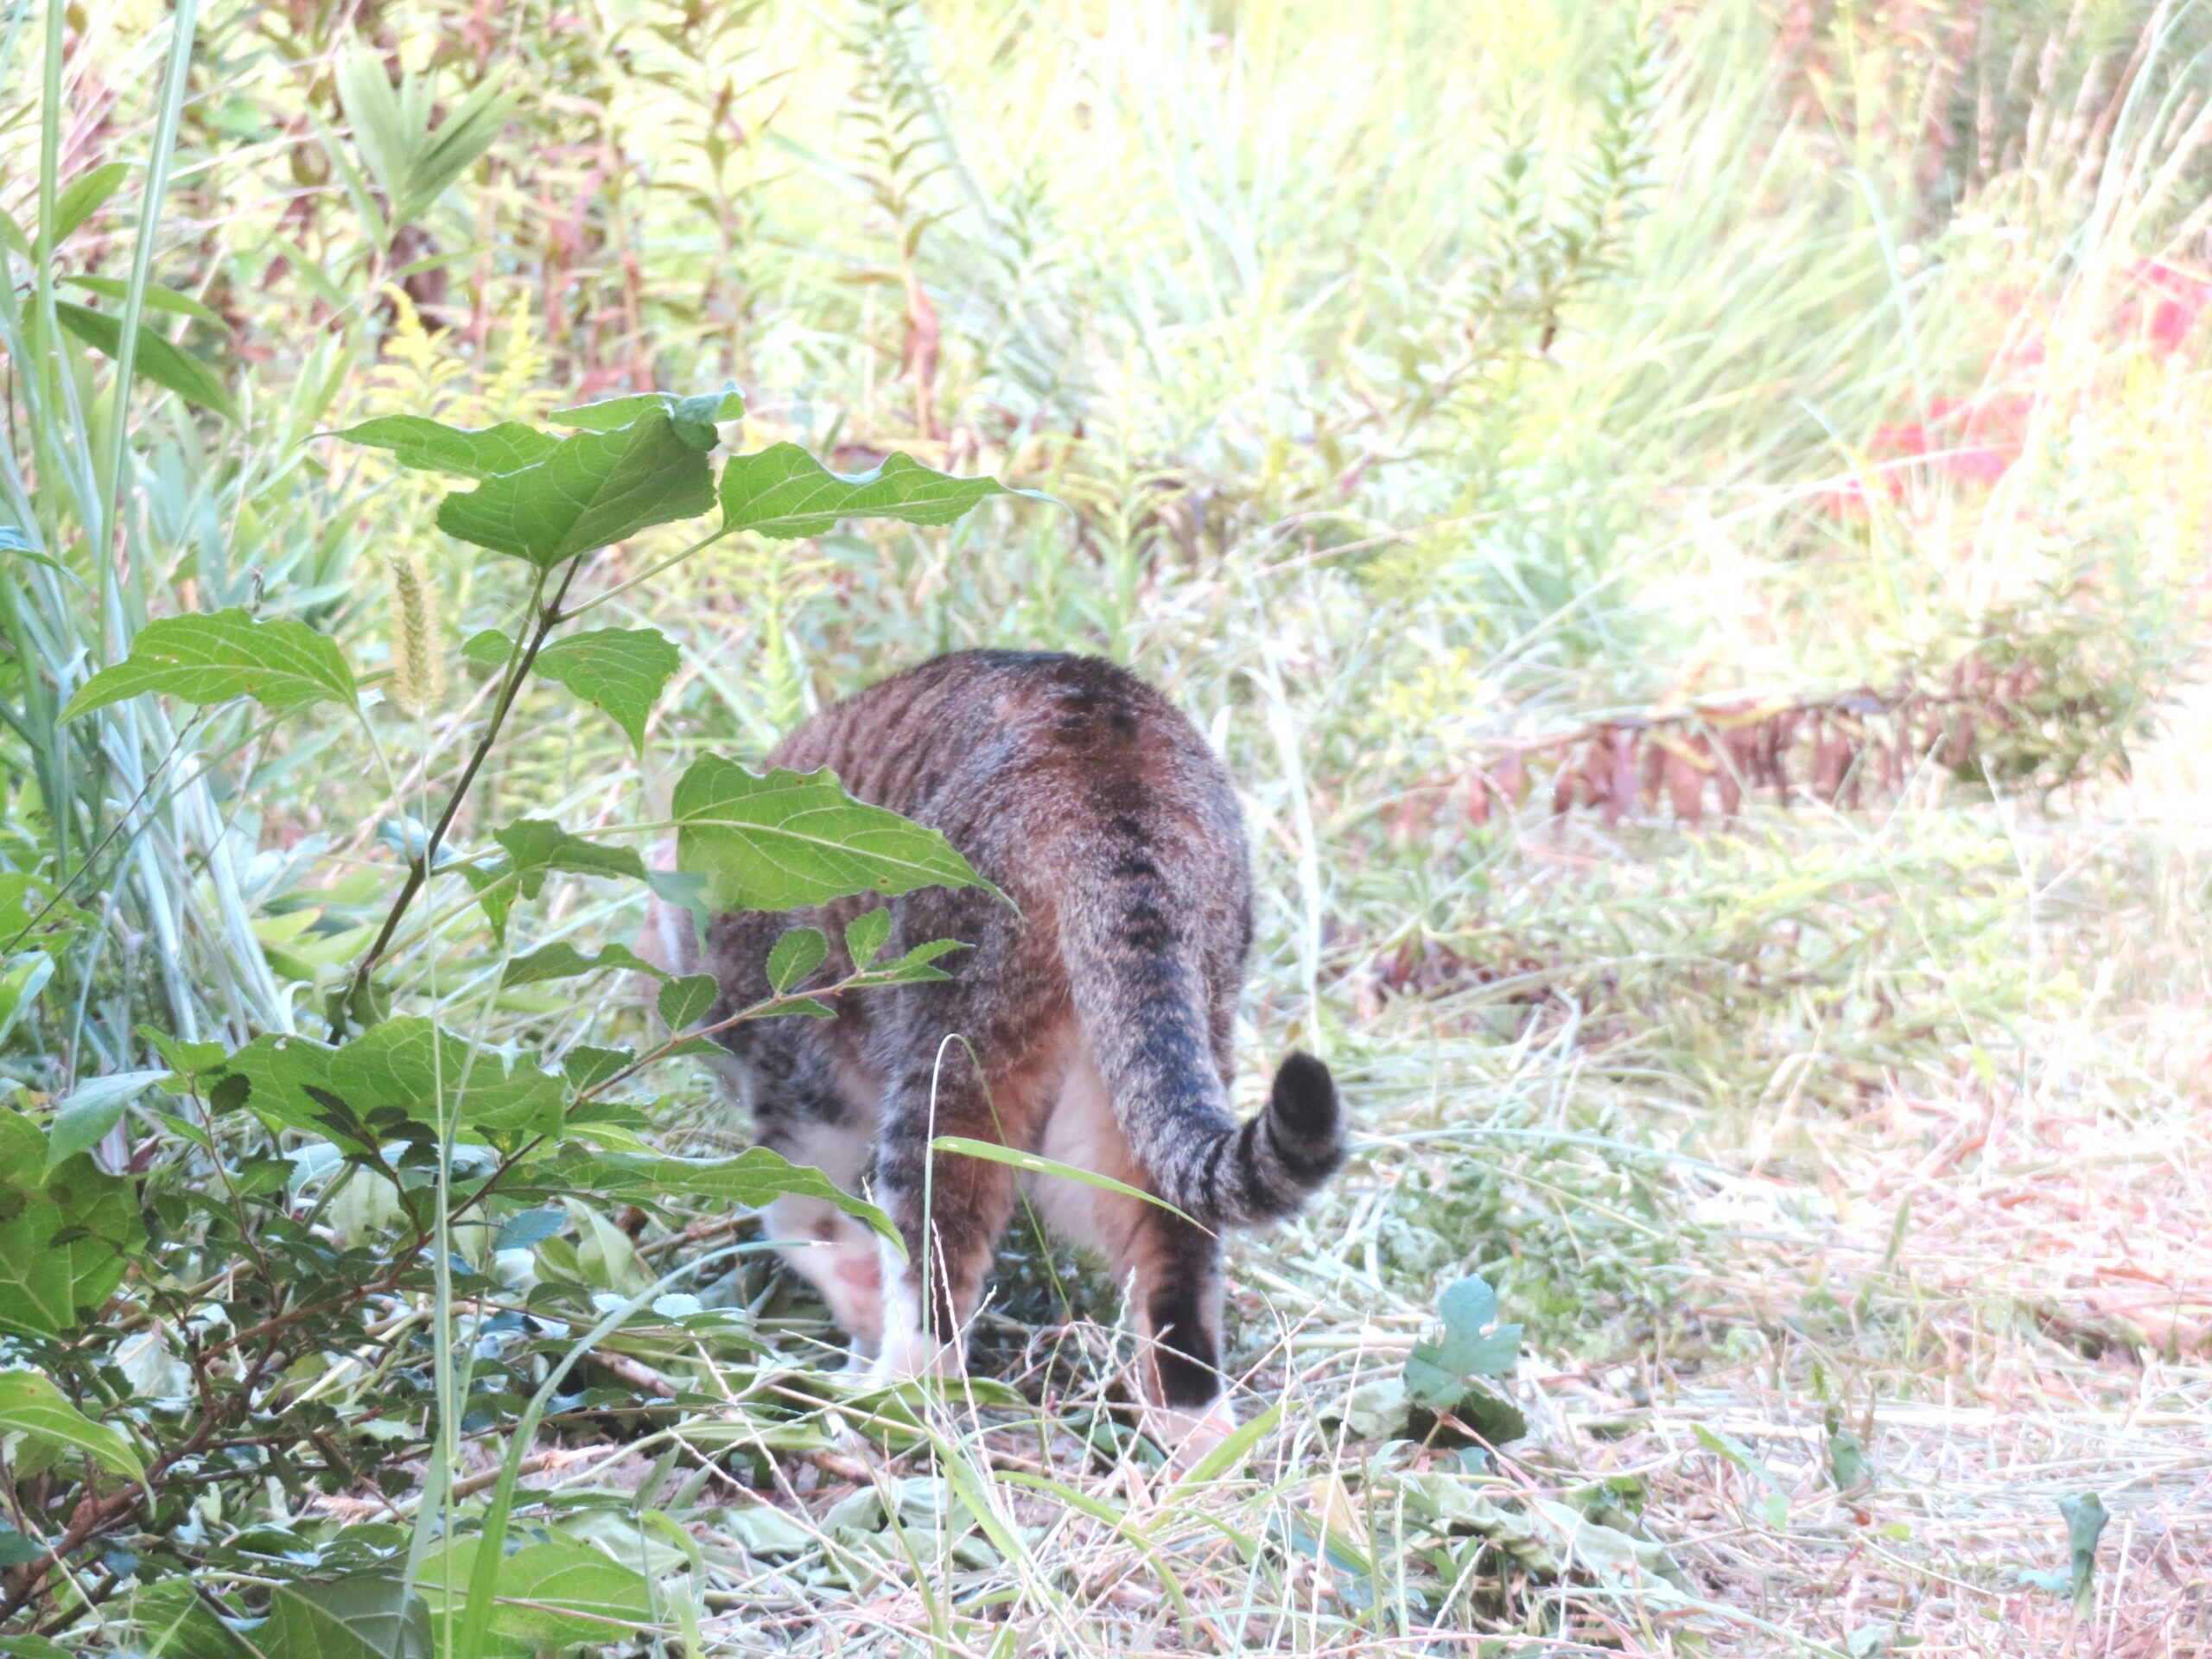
x,y
754,1178
93,1108
366,1616
64,1240
85,196
786,840
2085,1524
683,1002
1437,1372
488,648
154,357
694,418
31,1405
156,297
587,491
12,540
1849,1467
620,670
530,1229
866,934
408,1066
550,1595
564,961
213,657
587,1067
783,492
429,446
33,913
174,1622
794,956
531,849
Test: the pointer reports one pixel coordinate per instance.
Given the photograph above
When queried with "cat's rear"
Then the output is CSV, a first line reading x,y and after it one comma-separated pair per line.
x,y
1097,1011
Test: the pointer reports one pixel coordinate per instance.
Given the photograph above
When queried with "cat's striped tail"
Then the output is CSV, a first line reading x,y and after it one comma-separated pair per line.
x,y
1142,1004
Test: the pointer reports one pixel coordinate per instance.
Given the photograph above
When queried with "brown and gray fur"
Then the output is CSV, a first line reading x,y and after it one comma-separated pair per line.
x,y
1096,1010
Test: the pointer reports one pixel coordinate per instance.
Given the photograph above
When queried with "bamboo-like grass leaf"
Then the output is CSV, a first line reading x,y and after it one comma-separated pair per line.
x,y
621,672
85,195
786,839
783,492
155,298
412,159
156,359
212,657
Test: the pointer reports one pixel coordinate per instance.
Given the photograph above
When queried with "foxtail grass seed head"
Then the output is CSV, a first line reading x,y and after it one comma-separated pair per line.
x,y
418,680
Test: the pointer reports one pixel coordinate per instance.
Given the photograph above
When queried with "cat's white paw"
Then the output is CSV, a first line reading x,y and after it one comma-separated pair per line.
x,y
1187,1434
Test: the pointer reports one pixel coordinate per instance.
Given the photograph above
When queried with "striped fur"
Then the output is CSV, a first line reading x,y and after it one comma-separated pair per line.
x,y
1097,1011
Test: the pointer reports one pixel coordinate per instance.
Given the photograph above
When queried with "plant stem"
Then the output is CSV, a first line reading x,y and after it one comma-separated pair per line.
x,y
548,617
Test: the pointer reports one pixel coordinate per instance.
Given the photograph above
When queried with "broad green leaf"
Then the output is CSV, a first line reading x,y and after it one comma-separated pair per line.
x,y
154,357
586,1066
212,657
174,1622
589,491
783,492
694,418
754,1177
564,961
408,1066
429,446
27,1646
683,1002
64,1240
365,1615
488,648
92,1108
786,839
1438,1371
866,934
620,671
85,195
31,1405
155,298
551,1595
794,956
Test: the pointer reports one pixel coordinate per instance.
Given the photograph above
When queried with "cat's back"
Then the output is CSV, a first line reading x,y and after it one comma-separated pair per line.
x,y
1037,730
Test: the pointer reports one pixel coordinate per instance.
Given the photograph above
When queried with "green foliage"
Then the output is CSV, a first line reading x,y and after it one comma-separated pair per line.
x,y
784,493
202,660
787,839
31,1406
622,671
153,357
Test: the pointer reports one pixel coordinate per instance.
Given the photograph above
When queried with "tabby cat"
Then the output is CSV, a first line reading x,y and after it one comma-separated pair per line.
x,y
1089,1022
